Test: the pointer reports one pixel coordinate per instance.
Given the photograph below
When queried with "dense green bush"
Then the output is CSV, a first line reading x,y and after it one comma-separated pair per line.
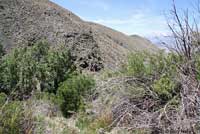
x,y
164,87
146,65
160,71
34,67
136,65
71,92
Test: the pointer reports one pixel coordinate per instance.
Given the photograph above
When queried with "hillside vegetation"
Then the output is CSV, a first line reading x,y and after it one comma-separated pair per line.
x,y
62,75
142,97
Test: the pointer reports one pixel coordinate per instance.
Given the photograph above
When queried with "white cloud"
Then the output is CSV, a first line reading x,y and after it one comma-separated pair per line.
x,y
96,4
140,22
113,21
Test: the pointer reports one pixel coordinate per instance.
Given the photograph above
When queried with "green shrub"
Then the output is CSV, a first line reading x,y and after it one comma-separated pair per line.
x,y
164,87
160,70
136,64
11,118
71,92
35,67
147,65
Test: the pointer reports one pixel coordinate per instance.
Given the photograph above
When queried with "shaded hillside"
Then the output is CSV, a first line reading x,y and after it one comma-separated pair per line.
x,y
94,46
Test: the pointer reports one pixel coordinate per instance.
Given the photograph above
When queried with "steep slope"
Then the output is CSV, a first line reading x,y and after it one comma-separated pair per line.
x,y
23,22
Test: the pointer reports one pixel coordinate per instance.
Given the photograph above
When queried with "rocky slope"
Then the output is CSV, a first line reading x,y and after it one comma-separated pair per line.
x,y
23,22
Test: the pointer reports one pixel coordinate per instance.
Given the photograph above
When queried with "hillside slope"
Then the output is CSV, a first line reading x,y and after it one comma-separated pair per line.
x,y
23,22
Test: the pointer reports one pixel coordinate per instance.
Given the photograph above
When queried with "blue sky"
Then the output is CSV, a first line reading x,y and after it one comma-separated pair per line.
x,y
142,17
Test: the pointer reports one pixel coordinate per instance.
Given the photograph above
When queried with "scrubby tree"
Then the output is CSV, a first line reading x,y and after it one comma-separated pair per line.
x,y
36,67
